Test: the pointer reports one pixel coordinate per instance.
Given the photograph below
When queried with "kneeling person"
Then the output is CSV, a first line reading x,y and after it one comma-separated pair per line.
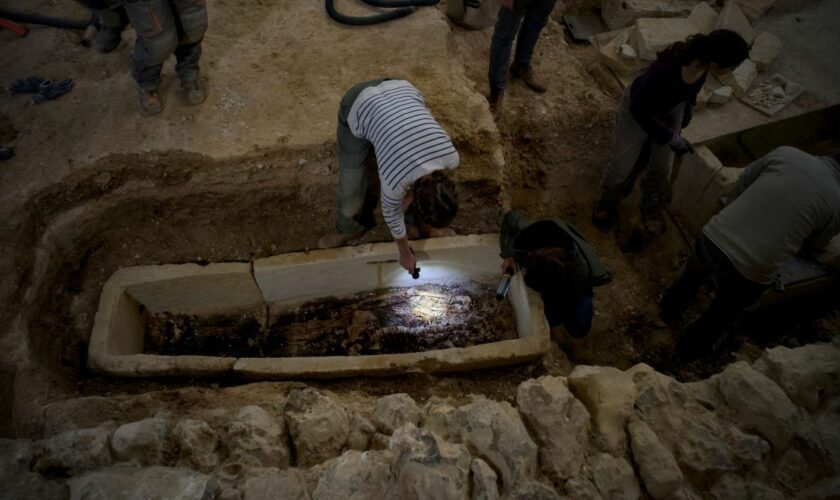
x,y
413,156
559,264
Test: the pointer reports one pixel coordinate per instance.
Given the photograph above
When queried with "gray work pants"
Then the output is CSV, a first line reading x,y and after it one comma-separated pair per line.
x,y
352,166
164,27
634,151
533,15
112,18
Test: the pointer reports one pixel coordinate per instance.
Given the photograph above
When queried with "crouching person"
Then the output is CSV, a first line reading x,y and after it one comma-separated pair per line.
x,y
783,203
559,264
413,155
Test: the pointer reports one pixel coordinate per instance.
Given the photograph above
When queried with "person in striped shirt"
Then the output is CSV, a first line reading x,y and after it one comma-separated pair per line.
x,y
414,156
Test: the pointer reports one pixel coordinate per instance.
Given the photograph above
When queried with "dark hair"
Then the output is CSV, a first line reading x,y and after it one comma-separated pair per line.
x,y
725,48
435,199
545,268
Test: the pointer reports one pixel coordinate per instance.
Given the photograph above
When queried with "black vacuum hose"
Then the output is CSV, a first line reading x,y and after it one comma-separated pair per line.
x,y
44,20
404,8
401,3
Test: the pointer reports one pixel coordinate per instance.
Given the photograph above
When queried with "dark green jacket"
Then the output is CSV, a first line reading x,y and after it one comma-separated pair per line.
x,y
520,236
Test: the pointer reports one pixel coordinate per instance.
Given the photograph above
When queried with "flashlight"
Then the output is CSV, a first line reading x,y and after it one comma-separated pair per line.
x,y
502,291
416,273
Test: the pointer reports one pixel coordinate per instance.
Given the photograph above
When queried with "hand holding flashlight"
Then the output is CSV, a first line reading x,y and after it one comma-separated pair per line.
x,y
508,269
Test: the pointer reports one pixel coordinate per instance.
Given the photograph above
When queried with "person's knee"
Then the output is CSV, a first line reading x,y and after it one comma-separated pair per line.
x,y
159,47
194,25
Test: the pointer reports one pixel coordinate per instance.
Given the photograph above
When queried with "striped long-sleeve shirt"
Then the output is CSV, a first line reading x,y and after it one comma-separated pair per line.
x,y
408,142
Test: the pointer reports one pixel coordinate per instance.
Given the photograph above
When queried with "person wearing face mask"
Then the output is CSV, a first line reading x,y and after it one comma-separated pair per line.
x,y
654,110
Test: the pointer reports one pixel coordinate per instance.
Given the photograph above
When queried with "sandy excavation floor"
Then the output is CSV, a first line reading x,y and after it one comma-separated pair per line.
x,y
252,173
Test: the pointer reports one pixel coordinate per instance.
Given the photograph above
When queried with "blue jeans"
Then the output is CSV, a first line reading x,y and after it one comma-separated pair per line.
x,y
533,15
352,166
574,314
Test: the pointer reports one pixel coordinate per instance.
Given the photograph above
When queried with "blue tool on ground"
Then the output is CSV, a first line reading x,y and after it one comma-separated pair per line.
x,y
44,90
49,90
26,85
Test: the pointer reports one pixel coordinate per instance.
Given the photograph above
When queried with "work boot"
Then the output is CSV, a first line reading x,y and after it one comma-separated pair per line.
x,y
495,100
151,102
336,239
529,77
194,91
654,223
108,39
605,215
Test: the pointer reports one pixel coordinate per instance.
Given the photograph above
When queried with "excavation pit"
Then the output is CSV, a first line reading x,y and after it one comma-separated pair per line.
x,y
322,314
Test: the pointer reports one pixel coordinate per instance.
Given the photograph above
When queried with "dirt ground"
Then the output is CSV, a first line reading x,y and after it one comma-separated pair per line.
x,y
251,173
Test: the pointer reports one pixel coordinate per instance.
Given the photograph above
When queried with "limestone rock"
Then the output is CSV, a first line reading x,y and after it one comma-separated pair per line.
x,y
15,479
560,424
394,411
614,50
825,489
806,373
379,441
484,479
754,9
733,18
741,78
197,444
608,394
271,484
361,430
356,475
581,488
654,34
731,487
759,404
699,445
827,433
143,441
494,432
29,485
792,470
686,494
427,467
614,478
748,448
442,419
721,95
72,452
15,456
622,13
533,491
703,17
255,438
683,424
319,426
133,483
626,51
764,50
657,466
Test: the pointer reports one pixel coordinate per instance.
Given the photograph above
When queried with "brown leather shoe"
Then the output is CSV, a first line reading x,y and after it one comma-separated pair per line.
x,y
495,100
529,77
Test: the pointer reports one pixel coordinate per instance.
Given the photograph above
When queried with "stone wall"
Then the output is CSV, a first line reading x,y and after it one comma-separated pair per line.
x,y
770,430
